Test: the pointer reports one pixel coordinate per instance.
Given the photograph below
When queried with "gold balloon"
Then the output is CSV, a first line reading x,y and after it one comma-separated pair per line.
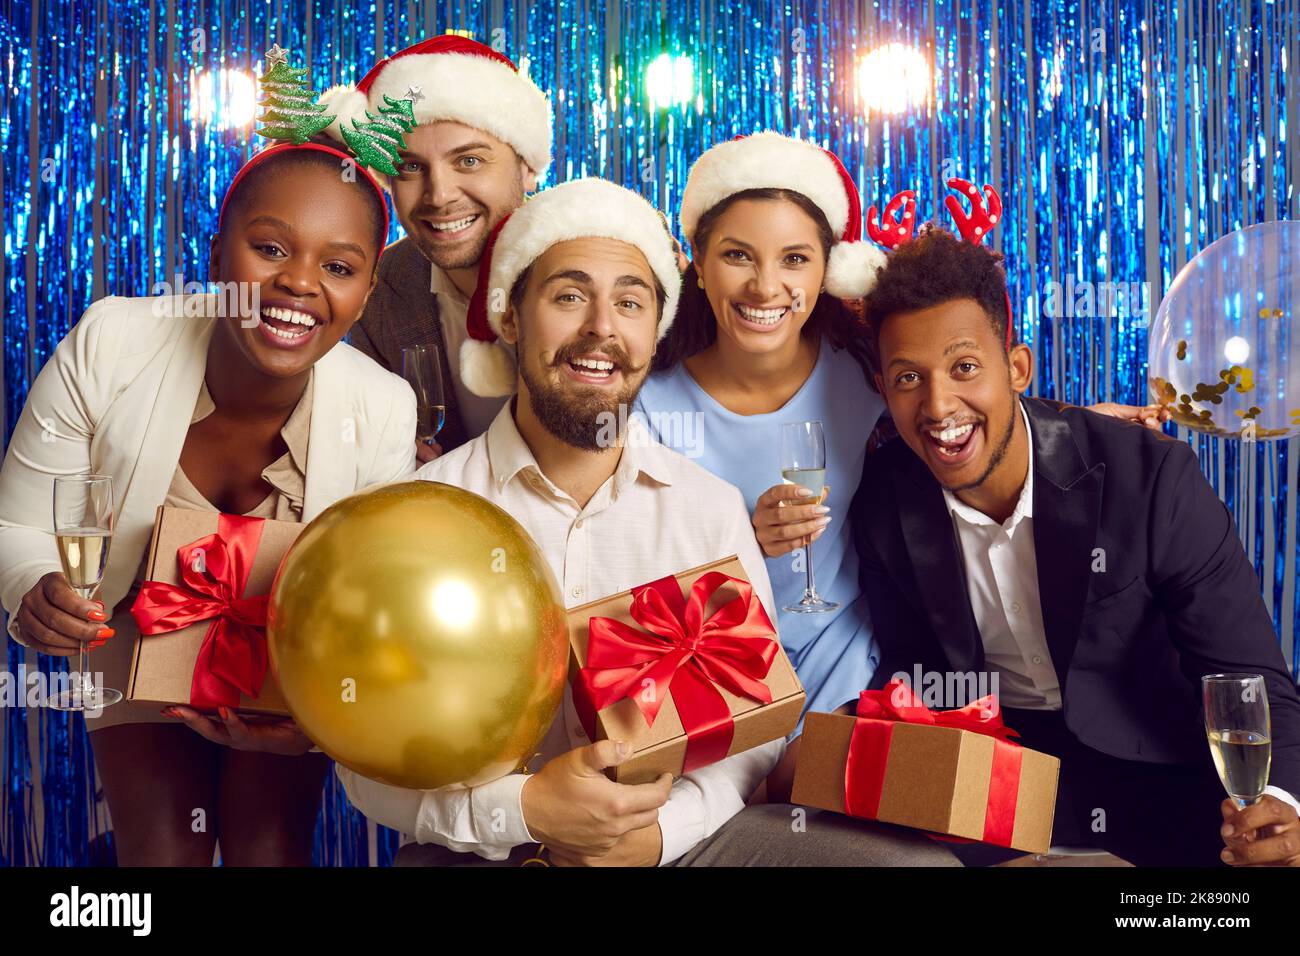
x,y
418,636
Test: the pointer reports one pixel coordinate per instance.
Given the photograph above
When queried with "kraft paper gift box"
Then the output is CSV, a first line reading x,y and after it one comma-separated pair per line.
x,y
189,652
618,669
900,767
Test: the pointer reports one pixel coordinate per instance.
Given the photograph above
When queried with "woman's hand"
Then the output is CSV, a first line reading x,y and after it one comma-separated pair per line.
x,y
1152,416
269,736
427,451
781,525
54,619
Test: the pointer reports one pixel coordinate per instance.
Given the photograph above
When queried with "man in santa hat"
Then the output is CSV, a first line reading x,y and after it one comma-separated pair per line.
x,y
483,141
583,282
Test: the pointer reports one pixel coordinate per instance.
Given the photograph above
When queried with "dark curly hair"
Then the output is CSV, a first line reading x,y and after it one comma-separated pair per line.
x,y
695,327
937,267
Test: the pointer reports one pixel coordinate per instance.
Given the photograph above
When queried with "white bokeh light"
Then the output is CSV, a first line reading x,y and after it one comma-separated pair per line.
x,y
894,78
1236,350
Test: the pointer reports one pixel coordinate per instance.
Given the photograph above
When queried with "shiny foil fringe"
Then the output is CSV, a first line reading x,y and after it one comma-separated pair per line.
x,y
1125,136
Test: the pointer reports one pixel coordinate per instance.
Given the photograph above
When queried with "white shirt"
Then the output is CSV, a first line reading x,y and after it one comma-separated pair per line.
x,y
1002,583
657,514
476,412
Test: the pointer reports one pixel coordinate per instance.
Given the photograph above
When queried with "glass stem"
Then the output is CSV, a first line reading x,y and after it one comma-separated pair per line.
x,y
811,590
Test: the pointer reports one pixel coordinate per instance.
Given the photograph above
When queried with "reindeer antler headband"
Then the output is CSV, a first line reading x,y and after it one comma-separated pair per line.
x,y
897,224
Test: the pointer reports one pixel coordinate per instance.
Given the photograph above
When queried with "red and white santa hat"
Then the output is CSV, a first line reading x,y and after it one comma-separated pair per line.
x,y
579,209
457,79
770,160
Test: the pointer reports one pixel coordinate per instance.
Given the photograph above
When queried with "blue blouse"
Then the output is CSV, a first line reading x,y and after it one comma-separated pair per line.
x,y
834,652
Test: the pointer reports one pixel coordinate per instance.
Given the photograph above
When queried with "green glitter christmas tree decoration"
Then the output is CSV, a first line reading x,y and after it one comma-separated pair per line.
x,y
377,142
289,108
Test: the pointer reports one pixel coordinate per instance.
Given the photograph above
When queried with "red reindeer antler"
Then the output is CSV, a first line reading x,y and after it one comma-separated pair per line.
x,y
983,216
900,227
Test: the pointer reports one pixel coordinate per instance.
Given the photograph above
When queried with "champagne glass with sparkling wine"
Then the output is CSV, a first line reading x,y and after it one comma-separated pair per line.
x,y
803,462
1237,725
83,530
422,367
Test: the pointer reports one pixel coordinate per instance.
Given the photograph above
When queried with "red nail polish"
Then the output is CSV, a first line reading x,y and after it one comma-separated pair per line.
x,y
104,633
167,712
99,616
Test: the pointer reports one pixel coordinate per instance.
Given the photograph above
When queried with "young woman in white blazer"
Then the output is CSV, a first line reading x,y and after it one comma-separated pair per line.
x,y
270,416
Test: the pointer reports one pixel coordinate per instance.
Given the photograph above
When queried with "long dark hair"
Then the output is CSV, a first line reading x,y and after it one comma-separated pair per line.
x,y
695,327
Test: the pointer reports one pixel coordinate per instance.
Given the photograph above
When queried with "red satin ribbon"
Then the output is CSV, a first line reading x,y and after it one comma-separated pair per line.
x,y
683,651
880,710
232,659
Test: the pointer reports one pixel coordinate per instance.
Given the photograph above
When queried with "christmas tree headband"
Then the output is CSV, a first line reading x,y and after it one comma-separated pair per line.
x,y
291,115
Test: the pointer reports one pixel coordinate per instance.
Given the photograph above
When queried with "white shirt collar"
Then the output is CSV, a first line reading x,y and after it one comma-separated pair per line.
x,y
440,284
509,454
1024,505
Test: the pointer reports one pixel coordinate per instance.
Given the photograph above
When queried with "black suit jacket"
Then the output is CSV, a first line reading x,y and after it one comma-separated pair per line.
x,y
403,311
1177,599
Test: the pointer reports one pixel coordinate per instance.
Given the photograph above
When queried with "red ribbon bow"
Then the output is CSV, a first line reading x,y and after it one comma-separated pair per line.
x,y
683,651
214,572
880,710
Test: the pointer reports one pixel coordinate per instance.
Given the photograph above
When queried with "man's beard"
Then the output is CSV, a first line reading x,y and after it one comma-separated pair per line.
x,y
999,451
579,417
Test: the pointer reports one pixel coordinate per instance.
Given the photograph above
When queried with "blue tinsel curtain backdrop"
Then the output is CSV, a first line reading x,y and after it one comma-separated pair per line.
x,y
1125,136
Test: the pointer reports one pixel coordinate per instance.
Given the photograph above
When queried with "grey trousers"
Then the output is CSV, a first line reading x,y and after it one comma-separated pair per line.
x,y
768,834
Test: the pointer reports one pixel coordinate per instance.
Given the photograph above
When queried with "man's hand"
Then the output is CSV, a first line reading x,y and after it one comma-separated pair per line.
x,y
1264,834
269,736
635,848
785,518
1152,416
426,451
572,807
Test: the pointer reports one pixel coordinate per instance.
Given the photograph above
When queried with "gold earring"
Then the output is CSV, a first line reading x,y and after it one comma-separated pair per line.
x,y
699,281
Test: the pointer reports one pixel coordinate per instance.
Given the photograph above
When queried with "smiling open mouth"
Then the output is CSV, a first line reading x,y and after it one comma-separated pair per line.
x,y
761,316
593,368
288,324
456,225
953,440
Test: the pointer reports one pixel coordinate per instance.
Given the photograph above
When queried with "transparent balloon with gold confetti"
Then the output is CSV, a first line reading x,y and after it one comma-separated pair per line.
x,y
1224,349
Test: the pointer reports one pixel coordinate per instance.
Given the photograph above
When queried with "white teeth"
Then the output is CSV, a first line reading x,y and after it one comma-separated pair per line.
x,y
593,364
762,316
289,315
952,434
452,226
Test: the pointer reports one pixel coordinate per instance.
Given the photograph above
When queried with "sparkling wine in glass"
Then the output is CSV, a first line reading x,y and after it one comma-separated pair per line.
x,y
803,462
1237,726
422,367
83,531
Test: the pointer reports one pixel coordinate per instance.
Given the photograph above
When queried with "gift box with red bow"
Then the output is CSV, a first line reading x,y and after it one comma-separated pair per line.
x,y
687,669
953,772
202,612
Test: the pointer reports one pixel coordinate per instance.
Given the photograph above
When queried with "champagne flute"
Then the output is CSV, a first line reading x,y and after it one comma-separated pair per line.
x,y
1237,725
83,530
422,367
803,462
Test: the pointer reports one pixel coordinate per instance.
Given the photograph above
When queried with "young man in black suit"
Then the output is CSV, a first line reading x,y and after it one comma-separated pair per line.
x,y
1082,560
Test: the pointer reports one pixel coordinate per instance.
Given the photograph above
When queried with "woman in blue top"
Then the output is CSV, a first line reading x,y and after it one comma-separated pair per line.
x,y
762,338
772,223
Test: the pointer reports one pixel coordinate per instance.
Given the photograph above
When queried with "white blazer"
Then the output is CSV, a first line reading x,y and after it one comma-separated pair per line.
x,y
116,398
